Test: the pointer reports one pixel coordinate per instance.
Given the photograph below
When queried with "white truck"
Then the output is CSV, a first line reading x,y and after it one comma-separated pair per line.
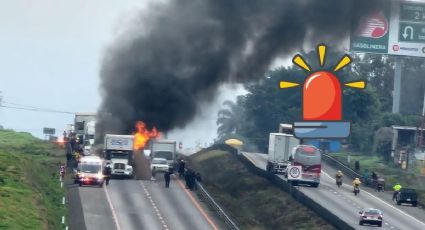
x,y
164,149
84,127
89,133
281,146
119,150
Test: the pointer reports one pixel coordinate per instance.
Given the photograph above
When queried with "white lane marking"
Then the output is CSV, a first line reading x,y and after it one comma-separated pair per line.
x,y
386,203
157,212
114,215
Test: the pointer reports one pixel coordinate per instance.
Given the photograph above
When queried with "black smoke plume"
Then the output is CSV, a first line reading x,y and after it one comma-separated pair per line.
x,y
177,55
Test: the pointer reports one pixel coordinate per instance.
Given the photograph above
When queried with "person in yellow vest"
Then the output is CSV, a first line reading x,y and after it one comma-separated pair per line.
x,y
396,188
356,183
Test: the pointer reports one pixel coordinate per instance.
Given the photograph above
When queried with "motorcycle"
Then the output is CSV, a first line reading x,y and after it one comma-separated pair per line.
x,y
339,181
380,188
356,190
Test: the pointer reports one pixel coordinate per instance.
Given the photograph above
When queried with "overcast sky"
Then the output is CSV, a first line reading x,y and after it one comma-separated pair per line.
x,y
50,55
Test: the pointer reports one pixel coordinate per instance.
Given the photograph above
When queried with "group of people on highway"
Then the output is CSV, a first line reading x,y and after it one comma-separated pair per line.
x,y
190,176
377,181
74,149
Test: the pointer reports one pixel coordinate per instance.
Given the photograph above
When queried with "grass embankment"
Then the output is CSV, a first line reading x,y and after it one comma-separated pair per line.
x,y
251,200
30,193
388,170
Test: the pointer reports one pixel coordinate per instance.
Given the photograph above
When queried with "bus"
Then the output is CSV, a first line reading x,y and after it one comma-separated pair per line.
x,y
310,159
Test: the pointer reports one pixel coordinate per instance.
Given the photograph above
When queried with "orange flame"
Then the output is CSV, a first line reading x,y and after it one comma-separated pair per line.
x,y
143,135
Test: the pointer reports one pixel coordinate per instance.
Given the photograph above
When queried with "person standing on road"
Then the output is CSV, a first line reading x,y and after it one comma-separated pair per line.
x,y
167,179
107,173
153,179
182,165
396,188
186,177
68,154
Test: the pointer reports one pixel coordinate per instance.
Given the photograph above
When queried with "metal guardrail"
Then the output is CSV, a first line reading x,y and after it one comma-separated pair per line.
x,y
211,202
341,166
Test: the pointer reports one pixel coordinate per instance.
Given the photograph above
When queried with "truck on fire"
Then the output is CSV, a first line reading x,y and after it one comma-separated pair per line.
x,y
164,149
118,149
281,146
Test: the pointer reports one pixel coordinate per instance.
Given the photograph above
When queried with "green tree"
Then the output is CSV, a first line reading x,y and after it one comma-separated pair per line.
x,y
265,105
228,119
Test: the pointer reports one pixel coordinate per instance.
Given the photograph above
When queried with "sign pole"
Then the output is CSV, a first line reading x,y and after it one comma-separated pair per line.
x,y
397,85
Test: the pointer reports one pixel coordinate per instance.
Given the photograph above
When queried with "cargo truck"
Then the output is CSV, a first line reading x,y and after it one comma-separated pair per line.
x,y
84,127
119,150
281,147
164,149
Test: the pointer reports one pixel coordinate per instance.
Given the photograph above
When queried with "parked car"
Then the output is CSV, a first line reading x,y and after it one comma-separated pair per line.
x,y
407,195
160,164
371,216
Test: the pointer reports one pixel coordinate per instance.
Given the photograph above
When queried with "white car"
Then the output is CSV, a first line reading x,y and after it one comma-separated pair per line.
x,y
371,216
160,164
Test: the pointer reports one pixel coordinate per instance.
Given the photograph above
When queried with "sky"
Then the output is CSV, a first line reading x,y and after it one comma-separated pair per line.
x,y
50,55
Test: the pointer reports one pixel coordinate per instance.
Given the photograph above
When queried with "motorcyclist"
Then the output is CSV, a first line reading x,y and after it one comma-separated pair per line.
x,y
338,178
356,183
396,188
380,184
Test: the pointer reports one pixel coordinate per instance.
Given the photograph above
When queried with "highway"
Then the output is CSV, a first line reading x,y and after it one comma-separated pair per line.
x,y
346,206
138,204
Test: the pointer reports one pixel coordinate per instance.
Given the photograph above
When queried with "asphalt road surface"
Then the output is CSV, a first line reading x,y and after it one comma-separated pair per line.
x,y
346,206
137,204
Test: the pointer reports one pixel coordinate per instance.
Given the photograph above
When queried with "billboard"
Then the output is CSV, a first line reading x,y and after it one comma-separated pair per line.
x,y
407,29
49,131
397,28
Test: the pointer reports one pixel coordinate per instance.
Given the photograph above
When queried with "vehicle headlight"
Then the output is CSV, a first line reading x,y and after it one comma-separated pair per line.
x,y
129,169
99,176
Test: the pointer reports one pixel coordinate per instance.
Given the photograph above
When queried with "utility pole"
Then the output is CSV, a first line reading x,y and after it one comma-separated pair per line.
x,y
397,85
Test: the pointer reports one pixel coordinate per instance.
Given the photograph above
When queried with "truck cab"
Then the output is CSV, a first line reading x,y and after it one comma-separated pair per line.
x,y
120,161
119,151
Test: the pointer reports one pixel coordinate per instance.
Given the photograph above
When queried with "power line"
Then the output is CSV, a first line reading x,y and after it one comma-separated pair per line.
x,y
35,109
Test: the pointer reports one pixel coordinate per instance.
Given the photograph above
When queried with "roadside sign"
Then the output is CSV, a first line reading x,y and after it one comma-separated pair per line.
x,y
407,29
372,32
294,172
397,28
49,131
